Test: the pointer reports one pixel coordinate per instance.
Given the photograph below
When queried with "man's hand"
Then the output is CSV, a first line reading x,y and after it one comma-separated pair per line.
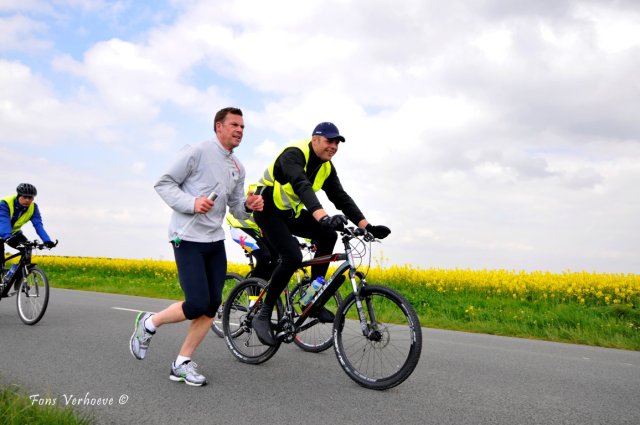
x,y
50,244
254,202
202,205
379,232
334,223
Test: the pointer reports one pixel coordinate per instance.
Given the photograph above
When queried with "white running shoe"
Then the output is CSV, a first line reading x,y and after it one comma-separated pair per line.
x,y
141,337
187,373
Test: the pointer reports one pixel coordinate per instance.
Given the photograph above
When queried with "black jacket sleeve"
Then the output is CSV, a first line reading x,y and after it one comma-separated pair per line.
x,y
340,198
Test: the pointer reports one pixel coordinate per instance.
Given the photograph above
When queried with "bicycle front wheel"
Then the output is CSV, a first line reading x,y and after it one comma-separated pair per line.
x,y
229,283
240,307
32,296
388,351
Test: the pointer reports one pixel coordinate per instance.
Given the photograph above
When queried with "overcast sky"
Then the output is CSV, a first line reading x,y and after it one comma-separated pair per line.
x,y
485,134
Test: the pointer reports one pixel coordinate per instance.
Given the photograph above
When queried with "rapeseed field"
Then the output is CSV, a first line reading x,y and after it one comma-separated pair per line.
x,y
579,307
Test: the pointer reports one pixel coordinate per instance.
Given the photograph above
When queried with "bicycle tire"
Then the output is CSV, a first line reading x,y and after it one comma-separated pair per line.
x,y
390,354
319,337
231,280
32,296
238,311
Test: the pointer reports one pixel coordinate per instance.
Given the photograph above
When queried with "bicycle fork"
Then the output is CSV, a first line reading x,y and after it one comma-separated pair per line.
x,y
368,325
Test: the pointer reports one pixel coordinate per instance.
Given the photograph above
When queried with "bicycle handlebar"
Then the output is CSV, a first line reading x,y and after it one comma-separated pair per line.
x,y
35,244
356,232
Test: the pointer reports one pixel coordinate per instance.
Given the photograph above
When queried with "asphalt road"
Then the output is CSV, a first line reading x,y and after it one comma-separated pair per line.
x,y
78,354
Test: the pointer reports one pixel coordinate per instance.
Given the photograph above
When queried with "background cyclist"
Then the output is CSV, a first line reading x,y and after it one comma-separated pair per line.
x,y
15,211
248,235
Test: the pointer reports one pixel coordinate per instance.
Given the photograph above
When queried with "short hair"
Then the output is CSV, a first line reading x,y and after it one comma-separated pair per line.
x,y
222,114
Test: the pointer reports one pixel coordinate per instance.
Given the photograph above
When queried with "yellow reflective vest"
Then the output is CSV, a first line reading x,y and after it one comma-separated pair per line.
x,y
24,218
284,196
242,224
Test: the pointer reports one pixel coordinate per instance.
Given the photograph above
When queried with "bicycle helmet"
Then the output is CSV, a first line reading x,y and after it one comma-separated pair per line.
x,y
26,189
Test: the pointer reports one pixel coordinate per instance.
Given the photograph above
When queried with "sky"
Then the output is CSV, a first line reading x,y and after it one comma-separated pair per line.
x,y
486,135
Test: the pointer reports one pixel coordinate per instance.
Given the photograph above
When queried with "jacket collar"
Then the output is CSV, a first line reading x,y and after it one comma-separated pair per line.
x,y
222,149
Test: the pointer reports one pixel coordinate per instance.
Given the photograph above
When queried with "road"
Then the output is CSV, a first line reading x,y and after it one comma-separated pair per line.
x,y
79,354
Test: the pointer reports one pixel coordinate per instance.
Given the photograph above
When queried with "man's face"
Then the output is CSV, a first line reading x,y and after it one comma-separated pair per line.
x,y
230,131
25,201
324,148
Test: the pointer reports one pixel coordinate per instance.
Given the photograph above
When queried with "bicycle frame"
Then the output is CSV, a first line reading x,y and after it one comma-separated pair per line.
x,y
24,266
348,264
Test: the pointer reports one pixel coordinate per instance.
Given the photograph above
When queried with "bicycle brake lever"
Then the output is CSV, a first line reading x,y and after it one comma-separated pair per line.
x,y
368,237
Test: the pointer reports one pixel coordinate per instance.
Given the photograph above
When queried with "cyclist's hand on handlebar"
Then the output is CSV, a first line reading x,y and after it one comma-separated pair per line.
x,y
379,232
335,222
50,244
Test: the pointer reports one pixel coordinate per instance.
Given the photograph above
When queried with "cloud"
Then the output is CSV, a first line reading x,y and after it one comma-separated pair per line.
x,y
485,135
19,33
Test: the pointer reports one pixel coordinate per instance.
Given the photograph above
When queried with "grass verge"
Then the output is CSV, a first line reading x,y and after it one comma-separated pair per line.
x,y
583,308
16,408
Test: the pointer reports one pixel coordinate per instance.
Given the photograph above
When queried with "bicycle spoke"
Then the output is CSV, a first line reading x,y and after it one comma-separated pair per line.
x,y
231,280
314,336
387,353
32,296
236,322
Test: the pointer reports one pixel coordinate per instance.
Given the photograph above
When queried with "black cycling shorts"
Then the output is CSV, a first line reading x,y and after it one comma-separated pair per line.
x,y
202,267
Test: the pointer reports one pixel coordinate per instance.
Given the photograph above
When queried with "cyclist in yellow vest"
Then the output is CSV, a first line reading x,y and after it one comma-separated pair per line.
x,y
291,207
248,235
15,211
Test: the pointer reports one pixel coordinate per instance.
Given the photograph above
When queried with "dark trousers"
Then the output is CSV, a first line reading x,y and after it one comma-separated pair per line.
x,y
202,268
266,257
279,227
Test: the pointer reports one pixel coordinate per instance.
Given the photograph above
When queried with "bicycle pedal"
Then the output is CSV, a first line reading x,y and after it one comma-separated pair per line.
x,y
285,336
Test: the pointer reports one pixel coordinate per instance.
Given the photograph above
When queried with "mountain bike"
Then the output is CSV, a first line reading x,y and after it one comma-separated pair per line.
x,y
29,282
316,336
377,336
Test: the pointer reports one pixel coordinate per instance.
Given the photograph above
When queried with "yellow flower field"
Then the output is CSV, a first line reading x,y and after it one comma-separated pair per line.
x,y
599,309
584,288
581,287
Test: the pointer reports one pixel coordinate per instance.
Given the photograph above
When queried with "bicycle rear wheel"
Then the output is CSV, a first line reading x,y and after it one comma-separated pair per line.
x,y
229,283
32,296
319,336
239,309
390,351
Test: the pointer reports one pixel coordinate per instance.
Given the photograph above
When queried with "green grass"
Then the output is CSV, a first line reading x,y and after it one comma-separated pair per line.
x,y
471,310
613,326
16,408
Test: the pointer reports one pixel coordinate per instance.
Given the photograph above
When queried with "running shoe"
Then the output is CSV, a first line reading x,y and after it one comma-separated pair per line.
x,y
187,373
141,337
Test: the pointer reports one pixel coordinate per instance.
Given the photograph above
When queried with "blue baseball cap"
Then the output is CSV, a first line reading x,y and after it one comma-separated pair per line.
x,y
328,130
